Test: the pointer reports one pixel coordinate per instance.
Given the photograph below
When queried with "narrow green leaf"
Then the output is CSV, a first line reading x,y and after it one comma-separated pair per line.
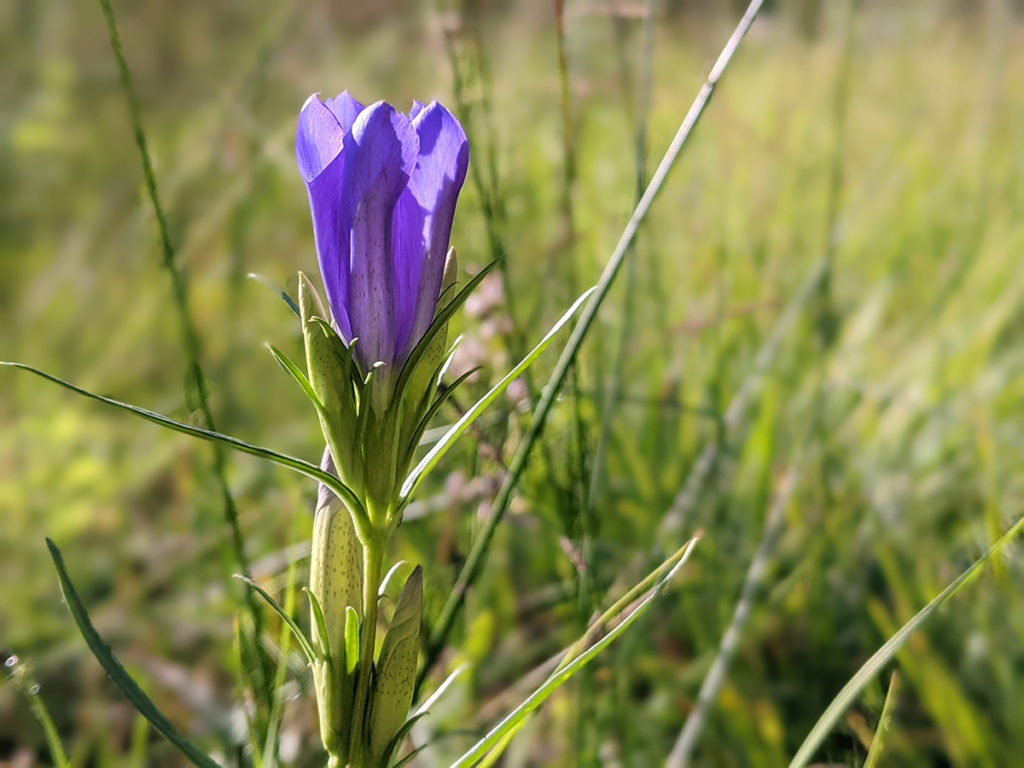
x,y
883,729
351,640
296,373
883,655
410,757
393,581
442,446
497,735
396,742
296,465
117,673
304,643
319,622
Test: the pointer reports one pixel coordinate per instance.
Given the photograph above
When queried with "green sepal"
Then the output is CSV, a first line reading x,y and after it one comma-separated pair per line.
x,y
396,669
329,368
320,634
351,640
380,462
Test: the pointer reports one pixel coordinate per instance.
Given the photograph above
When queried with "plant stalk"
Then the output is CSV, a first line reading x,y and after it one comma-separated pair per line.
x,y
373,559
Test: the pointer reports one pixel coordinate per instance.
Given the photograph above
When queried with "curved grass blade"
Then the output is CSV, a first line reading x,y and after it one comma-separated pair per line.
x,y
883,655
497,736
295,464
442,446
396,742
21,678
410,757
117,673
307,649
883,729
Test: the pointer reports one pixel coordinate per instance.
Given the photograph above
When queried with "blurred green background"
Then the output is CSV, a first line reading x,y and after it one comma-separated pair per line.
x,y
882,143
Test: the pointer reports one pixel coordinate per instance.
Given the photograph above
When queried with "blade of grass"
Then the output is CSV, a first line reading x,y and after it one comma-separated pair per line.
x,y
579,658
883,729
442,446
268,751
117,673
679,757
640,107
478,553
20,675
296,465
883,655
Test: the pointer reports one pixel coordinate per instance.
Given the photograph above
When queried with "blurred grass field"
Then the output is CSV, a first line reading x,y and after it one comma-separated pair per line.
x,y
884,146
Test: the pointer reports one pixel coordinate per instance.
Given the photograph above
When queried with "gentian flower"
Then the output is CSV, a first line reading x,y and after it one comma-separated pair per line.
x,y
382,190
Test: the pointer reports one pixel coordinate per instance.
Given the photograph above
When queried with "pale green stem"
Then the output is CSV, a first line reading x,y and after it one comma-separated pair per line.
x,y
373,558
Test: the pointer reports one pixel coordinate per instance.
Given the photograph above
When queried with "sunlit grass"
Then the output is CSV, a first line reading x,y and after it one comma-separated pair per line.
x,y
913,471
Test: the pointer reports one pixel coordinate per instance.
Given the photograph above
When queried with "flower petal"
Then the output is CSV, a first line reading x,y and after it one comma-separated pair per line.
x,y
319,150
318,139
435,184
380,154
406,266
345,108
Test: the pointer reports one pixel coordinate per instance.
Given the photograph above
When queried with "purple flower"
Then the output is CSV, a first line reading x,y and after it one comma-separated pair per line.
x,y
382,189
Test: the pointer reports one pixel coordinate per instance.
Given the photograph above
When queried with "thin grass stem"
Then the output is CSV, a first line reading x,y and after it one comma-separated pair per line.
x,y
683,748
884,722
477,555
195,377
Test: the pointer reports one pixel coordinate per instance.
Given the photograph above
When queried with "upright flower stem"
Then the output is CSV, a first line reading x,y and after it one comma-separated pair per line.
x,y
373,560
